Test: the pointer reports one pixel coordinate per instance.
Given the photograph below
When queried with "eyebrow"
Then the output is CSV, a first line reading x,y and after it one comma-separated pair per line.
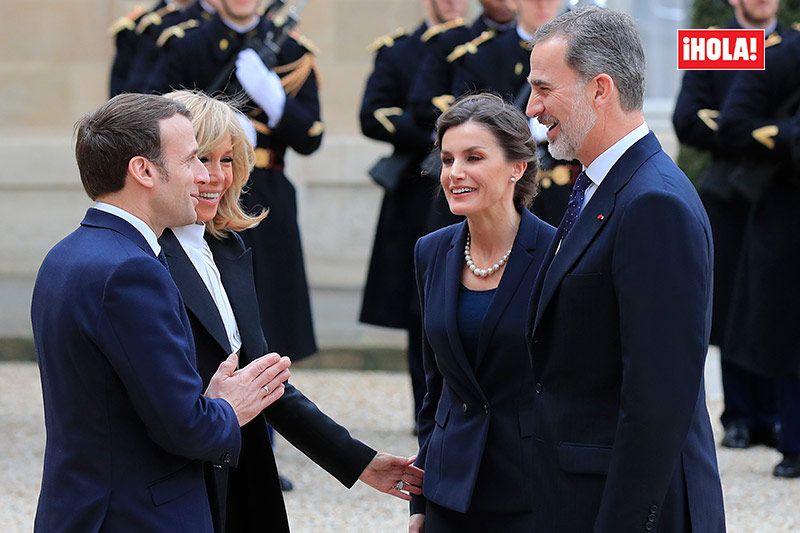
x,y
469,149
537,82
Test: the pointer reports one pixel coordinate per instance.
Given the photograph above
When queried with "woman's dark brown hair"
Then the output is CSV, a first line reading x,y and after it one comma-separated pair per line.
x,y
509,127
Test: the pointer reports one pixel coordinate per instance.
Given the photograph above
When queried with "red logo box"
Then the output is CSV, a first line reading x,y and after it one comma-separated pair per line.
x,y
720,49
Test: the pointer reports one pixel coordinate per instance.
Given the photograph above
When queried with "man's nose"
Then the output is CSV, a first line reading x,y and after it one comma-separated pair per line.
x,y
201,174
534,107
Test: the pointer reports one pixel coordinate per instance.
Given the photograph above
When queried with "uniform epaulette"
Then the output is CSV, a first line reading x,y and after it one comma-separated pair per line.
x,y
293,75
472,46
305,42
177,31
387,41
773,40
154,17
433,31
126,22
796,26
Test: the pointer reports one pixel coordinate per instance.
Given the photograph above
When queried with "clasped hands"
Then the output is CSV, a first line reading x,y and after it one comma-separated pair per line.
x,y
393,475
253,388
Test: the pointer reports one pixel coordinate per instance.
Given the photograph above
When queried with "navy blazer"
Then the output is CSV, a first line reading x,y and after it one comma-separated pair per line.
x,y
475,426
242,497
127,424
618,342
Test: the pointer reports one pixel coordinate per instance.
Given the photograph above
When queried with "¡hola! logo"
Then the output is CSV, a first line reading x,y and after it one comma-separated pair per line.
x,y
721,49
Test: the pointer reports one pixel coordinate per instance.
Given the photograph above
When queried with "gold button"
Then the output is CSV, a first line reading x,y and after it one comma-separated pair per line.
x,y
262,157
223,44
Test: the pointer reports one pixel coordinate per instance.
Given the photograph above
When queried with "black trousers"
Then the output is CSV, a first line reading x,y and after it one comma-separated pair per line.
x,y
789,414
439,519
749,398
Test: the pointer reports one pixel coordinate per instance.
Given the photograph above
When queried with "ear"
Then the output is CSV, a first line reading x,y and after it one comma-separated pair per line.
x,y
143,171
518,168
602,89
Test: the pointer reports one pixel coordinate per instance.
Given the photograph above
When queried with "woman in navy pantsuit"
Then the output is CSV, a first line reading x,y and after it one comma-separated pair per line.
x,y
475,279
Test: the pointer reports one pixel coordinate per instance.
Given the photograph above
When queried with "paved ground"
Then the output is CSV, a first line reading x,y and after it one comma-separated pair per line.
x,y
376,407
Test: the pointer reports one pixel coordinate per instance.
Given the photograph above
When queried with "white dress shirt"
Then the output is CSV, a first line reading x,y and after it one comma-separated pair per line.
x,y
598,169
148,234
191,240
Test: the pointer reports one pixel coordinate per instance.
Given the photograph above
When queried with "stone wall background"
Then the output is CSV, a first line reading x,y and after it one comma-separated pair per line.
x,y
54,61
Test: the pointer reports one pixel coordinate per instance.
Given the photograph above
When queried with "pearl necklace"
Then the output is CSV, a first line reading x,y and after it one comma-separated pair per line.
x,y
483,272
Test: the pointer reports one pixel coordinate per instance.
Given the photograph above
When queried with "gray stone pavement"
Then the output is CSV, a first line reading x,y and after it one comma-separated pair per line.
x,y
376,407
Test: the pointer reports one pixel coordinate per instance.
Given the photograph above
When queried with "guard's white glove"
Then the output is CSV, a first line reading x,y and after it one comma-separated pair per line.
x,y
261,84
247,126
538,132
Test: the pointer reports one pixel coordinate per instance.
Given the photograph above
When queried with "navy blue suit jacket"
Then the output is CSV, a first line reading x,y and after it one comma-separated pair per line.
x,y
619,337
127,425
475,426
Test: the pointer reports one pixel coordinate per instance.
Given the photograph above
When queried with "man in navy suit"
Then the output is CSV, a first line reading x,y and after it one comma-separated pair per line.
x,y
128,424
621,309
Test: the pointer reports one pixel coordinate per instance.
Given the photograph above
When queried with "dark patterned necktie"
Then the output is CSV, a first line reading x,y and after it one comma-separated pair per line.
x,y
162,259
574,205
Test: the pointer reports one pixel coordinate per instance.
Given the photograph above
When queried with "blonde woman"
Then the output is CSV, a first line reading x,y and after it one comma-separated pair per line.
x,y
214,272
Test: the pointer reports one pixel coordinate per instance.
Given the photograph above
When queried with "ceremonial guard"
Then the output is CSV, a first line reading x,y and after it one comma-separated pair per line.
x,y
750,415
183,15
759,121
500,63
390,294
123,30
283,106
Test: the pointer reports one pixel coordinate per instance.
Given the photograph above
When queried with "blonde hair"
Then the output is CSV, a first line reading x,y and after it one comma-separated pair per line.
x,y
213,119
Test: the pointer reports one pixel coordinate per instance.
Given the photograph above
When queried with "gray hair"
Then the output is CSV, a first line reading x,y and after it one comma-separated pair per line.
x,y
601,41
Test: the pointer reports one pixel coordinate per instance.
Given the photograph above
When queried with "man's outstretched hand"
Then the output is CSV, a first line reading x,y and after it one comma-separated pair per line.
x,y
393,475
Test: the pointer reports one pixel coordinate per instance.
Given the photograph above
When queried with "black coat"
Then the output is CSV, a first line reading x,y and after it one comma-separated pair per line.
x,y
702,95
126,40
194,62
389,295
763,335
245,498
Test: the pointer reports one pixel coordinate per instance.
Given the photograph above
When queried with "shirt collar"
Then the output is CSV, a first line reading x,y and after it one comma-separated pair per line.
x,y
602,164
525,36
148,234
242,28
191,235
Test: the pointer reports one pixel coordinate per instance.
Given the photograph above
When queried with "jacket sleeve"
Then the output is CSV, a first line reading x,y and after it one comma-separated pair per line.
x,y
697,111
148,345
431,92
385,115
433,383
319,437
662,271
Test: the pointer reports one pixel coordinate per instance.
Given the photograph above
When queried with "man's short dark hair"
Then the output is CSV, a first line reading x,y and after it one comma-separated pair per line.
x,y
124,127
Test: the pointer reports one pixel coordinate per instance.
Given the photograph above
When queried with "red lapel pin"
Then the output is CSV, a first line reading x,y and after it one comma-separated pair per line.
x,y
600,216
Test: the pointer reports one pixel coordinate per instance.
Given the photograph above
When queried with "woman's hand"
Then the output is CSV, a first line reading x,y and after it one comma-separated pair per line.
x,y
393,475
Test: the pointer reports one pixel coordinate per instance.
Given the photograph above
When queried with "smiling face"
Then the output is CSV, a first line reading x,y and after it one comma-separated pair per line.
x,y
559,100
175,189
219,163
475,173
757,13
239,11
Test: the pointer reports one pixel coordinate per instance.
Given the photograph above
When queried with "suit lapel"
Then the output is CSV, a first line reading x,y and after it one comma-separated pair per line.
x,y
452,277
101,219
193,289
519,262
236,270
593,217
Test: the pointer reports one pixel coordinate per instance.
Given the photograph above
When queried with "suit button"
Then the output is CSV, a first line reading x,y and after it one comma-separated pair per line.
x,y
649,526
226,458
486,409
654,508
651,518
539,388
464,407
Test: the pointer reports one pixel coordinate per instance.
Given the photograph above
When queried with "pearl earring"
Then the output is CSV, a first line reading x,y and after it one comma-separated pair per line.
x,y
513,179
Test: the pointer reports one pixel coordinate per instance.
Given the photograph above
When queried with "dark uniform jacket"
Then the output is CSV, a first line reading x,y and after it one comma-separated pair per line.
x,y
194,61
702,95
126,40
248,498
763,336
389,295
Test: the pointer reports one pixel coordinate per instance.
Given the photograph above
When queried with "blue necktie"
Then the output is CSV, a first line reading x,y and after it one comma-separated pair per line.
x,y
574,205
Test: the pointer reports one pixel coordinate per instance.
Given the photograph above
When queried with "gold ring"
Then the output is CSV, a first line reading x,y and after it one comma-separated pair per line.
x,y
266,388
